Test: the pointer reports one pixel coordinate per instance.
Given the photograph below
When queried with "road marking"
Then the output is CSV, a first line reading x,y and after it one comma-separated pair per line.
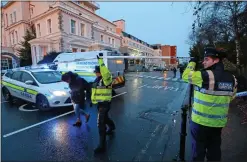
x,y
142,86
143,151
21,108
160,78
37,124
4,101
45,121
154,77
175,79
167,78
119,94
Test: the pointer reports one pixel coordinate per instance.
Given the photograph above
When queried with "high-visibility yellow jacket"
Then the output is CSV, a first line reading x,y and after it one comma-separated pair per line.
x,y
102,88
214,89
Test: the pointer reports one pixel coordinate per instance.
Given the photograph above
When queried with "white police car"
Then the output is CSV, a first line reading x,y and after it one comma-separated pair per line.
x,y
40,86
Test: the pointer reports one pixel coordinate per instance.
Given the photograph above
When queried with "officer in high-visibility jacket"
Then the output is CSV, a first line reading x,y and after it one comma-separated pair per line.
x,y
214,88
102,95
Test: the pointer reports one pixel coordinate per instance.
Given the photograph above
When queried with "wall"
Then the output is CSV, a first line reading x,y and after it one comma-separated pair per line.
x,y
67,25
173,53
166,52
44,26
15,6
25,11
120,24
39,7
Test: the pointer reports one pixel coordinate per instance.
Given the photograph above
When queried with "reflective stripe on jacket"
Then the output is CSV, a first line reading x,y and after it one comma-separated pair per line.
x,y
102,89
213,92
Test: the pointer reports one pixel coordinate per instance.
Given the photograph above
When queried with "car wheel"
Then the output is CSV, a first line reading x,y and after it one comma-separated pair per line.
x,y
6,94
42,103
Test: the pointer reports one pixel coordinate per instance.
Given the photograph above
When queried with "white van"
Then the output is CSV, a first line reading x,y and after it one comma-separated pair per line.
x,y
86,68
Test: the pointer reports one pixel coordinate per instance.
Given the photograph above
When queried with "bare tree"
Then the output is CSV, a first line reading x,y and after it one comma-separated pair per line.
x,y
226,16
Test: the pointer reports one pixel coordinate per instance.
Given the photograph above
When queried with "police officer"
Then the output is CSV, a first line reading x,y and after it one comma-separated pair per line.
x,y
102,95
214,89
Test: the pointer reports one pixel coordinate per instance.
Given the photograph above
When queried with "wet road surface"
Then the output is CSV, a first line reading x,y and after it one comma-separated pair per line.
x,y
144,112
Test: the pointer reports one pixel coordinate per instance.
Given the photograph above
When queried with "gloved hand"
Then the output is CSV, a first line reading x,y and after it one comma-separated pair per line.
x,y
194,59
100,54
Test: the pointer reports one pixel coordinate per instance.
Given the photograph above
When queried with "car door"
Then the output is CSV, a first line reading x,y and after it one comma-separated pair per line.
x,y
15,84
30,89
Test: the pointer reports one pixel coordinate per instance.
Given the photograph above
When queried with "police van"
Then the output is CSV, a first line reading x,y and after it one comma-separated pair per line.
x,y
87,61
41,86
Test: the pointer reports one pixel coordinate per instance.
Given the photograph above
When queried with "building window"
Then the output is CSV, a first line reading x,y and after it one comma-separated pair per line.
x,y
72,26
83,50
102,38
113,42
74,49
31,11
38,29
16,36
7,23
11,19
49,26
82,29
109,40
13,39
14,16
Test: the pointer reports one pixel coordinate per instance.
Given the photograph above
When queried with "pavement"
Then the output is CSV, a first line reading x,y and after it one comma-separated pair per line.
x,y
147,117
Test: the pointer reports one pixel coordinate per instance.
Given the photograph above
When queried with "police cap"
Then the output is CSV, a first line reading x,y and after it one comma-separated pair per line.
x,y
97,69
213,52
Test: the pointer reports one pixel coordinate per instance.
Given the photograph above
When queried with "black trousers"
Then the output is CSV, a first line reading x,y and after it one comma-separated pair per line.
x,y
206,142
103,118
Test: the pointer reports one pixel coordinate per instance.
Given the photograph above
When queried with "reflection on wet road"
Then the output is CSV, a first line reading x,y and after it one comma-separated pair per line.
x,y
144,111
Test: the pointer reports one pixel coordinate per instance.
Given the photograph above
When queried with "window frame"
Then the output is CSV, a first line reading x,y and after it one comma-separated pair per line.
x,y
71,26
34,82
19,76
49,28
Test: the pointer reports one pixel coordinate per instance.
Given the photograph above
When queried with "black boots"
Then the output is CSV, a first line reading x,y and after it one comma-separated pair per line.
x,y
102,145
77,124
110,131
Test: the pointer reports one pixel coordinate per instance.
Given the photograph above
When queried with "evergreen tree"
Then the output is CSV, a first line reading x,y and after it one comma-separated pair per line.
x,y
25,50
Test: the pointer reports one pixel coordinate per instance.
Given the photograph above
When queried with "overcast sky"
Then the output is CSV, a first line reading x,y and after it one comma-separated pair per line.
x,y
153,22
164,23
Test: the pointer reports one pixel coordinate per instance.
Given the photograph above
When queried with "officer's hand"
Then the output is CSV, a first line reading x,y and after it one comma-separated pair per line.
x,y
194,59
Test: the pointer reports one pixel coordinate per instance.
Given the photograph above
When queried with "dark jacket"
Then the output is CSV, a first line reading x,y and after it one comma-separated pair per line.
x,y
221,77
78,86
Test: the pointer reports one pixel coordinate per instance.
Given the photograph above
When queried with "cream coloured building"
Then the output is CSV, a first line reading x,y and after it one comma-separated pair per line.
x,y
60,26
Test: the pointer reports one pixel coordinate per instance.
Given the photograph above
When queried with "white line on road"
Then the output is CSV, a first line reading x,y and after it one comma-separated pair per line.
x,y
21,108
142,86
119,94
143,151
34,125
4,101
45,121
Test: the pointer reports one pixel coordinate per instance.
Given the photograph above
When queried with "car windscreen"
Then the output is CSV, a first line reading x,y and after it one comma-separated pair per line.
x,y
46,77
